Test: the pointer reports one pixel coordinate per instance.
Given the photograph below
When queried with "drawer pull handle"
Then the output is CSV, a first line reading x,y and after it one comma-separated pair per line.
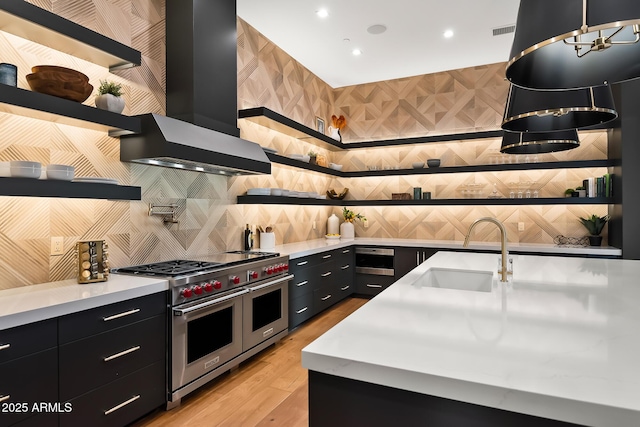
x,y
326,298
123,404
5,397
346,251
345,288
303,263
4,346
369,285
326,256
302,310
122,353
302,283
117,316
344,267
328,273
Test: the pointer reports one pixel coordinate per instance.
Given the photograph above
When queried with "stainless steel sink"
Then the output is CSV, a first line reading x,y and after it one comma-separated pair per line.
x,y
464,280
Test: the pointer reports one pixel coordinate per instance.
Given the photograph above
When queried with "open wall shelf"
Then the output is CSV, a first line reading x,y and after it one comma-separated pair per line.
x,y
280,200
41,26
36,105
26,187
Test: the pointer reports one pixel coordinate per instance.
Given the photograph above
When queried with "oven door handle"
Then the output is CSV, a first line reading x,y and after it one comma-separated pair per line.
x,y
273,282
183,311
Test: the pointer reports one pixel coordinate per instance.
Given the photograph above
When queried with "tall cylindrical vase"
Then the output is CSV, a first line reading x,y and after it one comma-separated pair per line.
x,y
347,230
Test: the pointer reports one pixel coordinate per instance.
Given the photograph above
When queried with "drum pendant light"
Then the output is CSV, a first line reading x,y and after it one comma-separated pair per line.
x,y
539,142
571,44
543,111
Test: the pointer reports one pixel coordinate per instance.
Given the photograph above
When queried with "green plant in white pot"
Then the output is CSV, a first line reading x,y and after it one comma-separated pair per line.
x,y
594,224
110,96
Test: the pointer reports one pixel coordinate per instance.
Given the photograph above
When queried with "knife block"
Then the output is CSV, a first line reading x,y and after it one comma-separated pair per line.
x,y
93,263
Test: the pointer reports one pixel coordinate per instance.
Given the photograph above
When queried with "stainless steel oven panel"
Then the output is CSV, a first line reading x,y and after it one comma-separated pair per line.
x,y
182,371
375,251
279,311
375,271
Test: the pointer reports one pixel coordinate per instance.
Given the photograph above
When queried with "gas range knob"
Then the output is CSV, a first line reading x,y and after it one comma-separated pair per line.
x,y
285,267
186,293
235,280
217,284
208,287
268,270
197,289
279,268
253,274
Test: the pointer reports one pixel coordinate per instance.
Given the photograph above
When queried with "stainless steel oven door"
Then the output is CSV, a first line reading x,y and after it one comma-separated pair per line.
x,y
265,311
205,334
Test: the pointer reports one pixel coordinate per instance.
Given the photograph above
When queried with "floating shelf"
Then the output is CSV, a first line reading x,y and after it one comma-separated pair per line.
x,y
272,120
58,110
41,26
283,160
74,190
280,200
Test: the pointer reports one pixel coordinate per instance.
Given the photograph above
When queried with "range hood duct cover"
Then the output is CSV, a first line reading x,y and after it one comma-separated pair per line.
x,y
169,142
201,132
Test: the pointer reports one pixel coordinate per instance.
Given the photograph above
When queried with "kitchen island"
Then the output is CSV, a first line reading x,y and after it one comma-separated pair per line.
x,y
556,346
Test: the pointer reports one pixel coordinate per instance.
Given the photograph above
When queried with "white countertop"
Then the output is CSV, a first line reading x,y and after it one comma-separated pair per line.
x,y
560,341
310,247
27,304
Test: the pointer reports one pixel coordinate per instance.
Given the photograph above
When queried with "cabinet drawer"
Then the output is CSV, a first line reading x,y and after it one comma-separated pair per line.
x,y
370,284
324,298
24,340
300,309
30,379
119,402
344,290
303,282
101,319
110,355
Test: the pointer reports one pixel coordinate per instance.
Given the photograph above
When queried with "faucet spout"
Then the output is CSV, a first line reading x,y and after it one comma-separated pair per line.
x,y
503,242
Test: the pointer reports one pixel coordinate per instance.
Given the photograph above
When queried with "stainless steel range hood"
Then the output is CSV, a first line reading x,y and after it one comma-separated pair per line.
x,y
200,132
169,142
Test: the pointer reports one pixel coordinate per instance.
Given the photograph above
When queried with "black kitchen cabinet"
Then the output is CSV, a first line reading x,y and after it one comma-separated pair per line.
x,y
406,259
320,280
372,284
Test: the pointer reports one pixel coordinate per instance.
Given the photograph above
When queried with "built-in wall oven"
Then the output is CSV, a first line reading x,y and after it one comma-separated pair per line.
x,y
222,313
376,261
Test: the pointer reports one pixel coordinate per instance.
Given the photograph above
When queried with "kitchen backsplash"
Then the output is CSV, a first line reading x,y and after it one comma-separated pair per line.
x,y
209,218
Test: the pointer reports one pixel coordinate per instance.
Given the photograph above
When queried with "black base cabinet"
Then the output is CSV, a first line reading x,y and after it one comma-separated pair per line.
x,y
406,259
100,367
341,402
372,284
320,280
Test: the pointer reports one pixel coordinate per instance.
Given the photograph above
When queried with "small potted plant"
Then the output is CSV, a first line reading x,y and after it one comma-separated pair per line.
x,y
110,97
347,230
569,192
581,192
312,157
594,224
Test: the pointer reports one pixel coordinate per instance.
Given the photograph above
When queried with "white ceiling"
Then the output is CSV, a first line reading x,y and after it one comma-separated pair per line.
x,y
412,45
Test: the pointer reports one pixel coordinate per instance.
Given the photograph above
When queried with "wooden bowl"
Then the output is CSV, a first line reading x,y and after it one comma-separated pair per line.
x,y
60,73
60,86
335,196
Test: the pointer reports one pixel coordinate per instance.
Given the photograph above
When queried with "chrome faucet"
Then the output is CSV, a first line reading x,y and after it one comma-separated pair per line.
x,y
503,237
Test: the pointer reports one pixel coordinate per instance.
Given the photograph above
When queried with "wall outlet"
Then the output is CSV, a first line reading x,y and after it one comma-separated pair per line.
x,y
365,223
521,226
314,225
57,245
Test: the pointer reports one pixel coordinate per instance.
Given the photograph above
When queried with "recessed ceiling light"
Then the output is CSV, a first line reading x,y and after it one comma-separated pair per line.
x,y
356,52
377,29
448,34
322,13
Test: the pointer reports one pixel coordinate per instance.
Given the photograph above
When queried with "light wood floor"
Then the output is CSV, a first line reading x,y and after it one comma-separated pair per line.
x,y
269,389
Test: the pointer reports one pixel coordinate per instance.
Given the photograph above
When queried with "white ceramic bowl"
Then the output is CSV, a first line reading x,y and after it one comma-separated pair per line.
x,y
301,157
60,172
417,165
23,169
5,169
335,166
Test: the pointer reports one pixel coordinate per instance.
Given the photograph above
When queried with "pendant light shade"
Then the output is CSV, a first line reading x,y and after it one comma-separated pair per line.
x,y
570,44
543,111
540,142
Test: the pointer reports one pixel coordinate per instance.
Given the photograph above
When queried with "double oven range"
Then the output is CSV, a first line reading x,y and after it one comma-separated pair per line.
x,y
224,309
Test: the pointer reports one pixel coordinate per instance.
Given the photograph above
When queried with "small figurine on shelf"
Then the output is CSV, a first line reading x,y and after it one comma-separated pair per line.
x,y
338,124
